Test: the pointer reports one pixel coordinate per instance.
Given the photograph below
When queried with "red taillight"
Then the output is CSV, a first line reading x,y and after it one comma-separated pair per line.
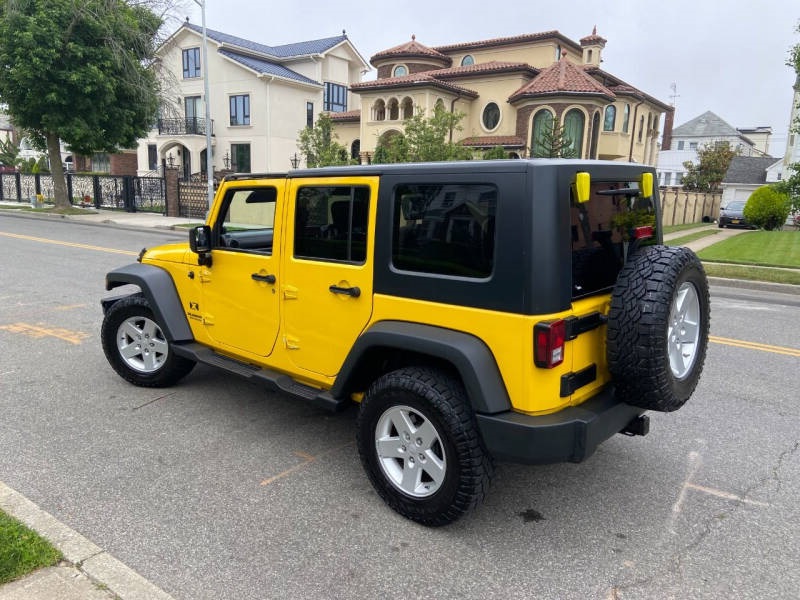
x,y
548,344
644,232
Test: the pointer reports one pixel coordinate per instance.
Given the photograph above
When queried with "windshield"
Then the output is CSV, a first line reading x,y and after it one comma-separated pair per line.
x,y
735,206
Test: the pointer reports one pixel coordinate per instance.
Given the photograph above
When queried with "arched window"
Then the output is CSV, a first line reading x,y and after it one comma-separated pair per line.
x,y
573,132
595,135
610,119
407,108
641,127
467,61
541,132
355,149
394,109
439,105
491,116
626,114
379,111
399,71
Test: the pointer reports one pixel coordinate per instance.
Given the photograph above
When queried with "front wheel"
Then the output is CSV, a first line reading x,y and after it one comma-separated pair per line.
x,y
420,446
136,347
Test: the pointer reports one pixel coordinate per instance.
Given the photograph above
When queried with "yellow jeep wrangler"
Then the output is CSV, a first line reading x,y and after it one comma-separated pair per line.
x,y
502,310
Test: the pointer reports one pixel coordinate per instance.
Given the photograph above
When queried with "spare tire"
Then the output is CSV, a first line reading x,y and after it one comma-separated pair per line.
x,y
658,328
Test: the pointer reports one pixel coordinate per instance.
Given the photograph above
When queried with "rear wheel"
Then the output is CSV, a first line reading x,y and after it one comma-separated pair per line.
x,y
137,348
420,446
658,328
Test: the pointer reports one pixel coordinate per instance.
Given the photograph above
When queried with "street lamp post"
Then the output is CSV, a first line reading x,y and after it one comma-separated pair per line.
x,y
209,150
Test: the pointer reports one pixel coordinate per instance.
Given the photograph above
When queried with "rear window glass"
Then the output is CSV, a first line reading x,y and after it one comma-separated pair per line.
x,y
602,231
445,229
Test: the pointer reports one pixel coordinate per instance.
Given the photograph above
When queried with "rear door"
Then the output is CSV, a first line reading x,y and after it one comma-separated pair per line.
x,y
328,269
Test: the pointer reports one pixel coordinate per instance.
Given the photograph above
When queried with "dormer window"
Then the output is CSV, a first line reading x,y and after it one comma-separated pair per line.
x,y
399,71
467,61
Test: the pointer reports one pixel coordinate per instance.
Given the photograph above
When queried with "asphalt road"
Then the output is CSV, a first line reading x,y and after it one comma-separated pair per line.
x,y
218,489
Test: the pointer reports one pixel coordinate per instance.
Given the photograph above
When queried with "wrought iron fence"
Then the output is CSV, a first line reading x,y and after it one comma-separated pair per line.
x,y
101,191
192,200
186,126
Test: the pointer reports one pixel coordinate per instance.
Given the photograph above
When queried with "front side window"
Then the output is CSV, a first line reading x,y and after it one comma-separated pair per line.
x,y
491,116
331,223
240,158
335,98
610,118
444,229
191,63
240,109
248,219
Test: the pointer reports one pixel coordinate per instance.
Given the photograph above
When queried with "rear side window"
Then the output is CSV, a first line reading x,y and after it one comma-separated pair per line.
x,y
444,229
331,223
602,232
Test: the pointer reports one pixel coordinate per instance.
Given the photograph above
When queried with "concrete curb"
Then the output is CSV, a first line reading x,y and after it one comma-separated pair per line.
x,y
166,228
84,556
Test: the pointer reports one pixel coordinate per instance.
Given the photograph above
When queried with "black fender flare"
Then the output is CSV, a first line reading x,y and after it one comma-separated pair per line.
x,y
158,288
469,355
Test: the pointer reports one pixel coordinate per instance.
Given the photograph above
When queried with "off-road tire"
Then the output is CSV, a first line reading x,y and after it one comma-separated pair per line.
x,y
659,311
431,398
154,364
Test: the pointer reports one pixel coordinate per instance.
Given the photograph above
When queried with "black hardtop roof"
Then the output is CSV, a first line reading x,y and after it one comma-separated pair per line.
x,y
463,166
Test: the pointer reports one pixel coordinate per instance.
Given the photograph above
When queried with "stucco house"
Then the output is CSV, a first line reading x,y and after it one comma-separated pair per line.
x,y
510,89
682,143
260,98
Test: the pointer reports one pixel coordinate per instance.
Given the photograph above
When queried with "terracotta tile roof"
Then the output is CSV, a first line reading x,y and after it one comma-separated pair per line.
x,y
350,115
490,141
619,87
563,78
507,41
493,66
411,49
415,79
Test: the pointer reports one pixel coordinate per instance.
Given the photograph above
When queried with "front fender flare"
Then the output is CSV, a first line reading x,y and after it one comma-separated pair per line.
x,y
159,290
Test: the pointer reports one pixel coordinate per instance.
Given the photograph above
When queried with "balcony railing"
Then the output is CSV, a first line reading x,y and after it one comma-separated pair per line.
x,y
185,126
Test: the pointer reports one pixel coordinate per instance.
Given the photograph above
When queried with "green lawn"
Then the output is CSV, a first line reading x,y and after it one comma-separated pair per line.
x,y
762,248
22,550
682,227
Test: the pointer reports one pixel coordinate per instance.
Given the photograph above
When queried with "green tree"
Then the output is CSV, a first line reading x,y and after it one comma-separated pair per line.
x,y
425,139
554,143
790,185
495,153
9,153
318,144
79,72
767,208
713,161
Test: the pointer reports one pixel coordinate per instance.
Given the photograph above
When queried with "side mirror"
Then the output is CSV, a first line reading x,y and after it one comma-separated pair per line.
x,y
583,182
200,243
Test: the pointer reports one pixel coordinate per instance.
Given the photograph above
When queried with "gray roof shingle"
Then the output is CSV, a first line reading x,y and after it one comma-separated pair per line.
x,y
284,51
266,67
748,169
706,125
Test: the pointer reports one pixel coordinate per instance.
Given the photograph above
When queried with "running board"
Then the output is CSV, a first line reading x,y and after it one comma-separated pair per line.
x,y
273,379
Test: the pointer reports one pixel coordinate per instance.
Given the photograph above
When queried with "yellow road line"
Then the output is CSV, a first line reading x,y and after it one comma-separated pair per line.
x,y
755,346
39,331
70,244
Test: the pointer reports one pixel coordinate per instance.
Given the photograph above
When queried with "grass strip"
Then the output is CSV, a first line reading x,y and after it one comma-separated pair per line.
x,y
763,248
752,273
667,229
22,550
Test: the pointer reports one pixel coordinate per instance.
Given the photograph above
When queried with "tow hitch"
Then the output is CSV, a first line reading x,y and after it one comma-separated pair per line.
x,y
638,426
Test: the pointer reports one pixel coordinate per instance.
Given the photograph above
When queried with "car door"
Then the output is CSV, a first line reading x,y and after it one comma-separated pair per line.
x,y
240,306
328,269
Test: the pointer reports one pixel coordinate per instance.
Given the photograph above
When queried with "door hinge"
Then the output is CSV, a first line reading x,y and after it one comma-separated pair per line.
x,y
290,292
291,343
205,275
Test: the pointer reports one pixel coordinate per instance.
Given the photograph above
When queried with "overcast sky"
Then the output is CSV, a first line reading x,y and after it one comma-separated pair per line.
x,y
726,56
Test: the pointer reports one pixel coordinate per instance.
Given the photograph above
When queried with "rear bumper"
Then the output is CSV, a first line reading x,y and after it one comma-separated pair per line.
x,y
570,435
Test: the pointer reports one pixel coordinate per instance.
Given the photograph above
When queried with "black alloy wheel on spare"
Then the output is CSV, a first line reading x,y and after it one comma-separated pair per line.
x,y
420,446
136,347
658,327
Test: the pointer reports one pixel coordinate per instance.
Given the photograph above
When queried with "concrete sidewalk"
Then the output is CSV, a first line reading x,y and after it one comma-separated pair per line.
x,y
87,571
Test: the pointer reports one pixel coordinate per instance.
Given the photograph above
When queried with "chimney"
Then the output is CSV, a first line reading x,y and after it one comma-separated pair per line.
x,y
669,121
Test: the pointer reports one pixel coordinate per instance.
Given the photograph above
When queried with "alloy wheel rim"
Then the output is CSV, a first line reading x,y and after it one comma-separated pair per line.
x,y
410,451
684,330
142,344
